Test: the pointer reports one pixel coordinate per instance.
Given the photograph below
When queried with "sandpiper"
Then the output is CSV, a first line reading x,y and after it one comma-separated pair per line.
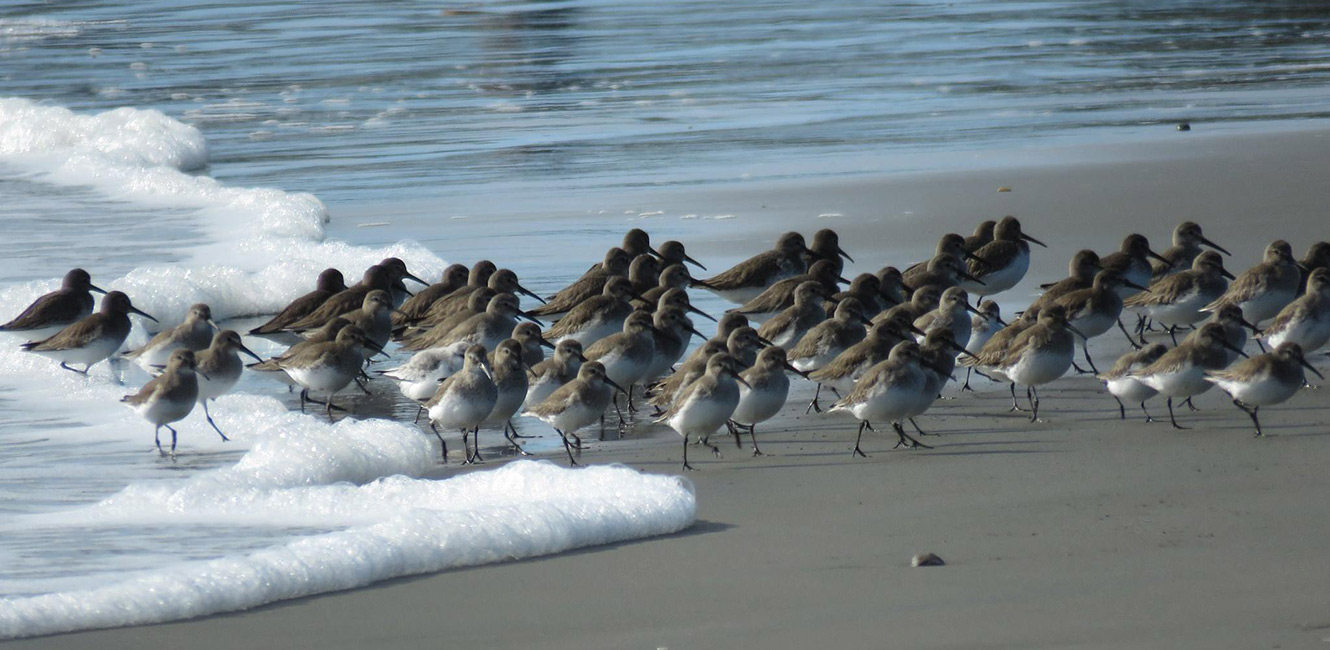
x,y
1266,288
983,234
417,306
1080,275
508,370
596,317
951,245
951,314
672,333
326,367
589,285
674,276
576,404
780,296
272,370
893,287
219,368
1264,380
867,289
763,394
194,334
58,309
1177,299
706,404
1006,259
397,270
982,328
743,344
501,281
1040,354
841,373
477,279
942,272
637,242
375,277
679,298
644,273
629,354
1305,321
1094,311
486,329
375,317
992,352
419,377
924,300
91,339
329,283
890,390
533,344
561,368
169,397
787,327
1132,260
672,252
749,278
1187,241
464,401
826,340
826,246
1317,257
938,353
728,323
476,302
1122,386
1181,371
1235,329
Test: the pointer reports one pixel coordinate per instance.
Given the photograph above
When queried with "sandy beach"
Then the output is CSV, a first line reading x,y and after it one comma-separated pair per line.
x,y
1084,530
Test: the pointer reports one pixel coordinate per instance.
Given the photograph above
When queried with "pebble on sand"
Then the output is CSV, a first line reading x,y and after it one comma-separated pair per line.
x,y
926,559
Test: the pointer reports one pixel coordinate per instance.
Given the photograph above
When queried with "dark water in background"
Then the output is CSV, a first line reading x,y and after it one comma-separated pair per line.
x,y
360,101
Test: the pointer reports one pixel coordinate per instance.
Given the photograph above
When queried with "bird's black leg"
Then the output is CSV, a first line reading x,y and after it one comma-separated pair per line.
x,y
1015,406
441,442
1134,344
1251,412
686,466
1122,410
1170,415
83,372
904,438
1147,413
214,424
156,436
752,434
475,438
813,405
568,448
857,451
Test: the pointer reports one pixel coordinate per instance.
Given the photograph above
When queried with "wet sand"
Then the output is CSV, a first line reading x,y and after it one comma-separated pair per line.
x,y
1084,530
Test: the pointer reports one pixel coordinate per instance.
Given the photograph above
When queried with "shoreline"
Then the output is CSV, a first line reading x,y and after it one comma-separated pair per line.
x,y
1083,530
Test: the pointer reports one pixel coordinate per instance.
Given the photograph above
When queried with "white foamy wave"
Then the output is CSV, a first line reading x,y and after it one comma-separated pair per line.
x,y
522,510
127,135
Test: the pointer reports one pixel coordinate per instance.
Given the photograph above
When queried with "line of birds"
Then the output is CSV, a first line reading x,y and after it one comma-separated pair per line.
x,y
886,345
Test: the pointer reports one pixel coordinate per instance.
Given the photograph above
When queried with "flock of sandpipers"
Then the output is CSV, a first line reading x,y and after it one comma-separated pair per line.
x,y
885,345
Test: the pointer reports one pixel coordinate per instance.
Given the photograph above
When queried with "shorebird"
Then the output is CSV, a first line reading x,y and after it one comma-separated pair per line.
x,y
867,289
1080,275
1266,288
765,388
629,354
982,328
924,300
501,281
951,314
1132,260
219,368
476,302
1187,242
841,373
941,272
893,287
1007,258
745,280
477,279
1177,299
169,397
1235,329
679,298
58,309
375,277
508,370
1264,380
487,328
194,334
1094,311
596,317
1317,257
561,368
644,273
416,307
325,334
329,283
788,326
672,252
674,276
826,340
937,353
891,390
1040,354
780,296
375,317
1305,321
576,404
706,404
592,283
743,344
419,377
983,234
951,245
533,344
464,401
1122,386
397,272
992,352
91,339
1181,371
826,246
672,332
728,323
326,367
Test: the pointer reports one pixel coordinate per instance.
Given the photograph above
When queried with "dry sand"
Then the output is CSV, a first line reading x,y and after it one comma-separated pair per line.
x,y
1083,531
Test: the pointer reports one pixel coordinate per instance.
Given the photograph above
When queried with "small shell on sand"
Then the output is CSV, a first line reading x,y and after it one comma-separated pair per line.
x,y
926,559
1004,188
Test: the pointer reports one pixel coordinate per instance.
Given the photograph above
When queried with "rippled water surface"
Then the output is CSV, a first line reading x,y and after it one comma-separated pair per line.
x,y
361,101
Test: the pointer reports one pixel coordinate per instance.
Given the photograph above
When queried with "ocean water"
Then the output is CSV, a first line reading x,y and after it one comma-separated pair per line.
x,y
202,153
